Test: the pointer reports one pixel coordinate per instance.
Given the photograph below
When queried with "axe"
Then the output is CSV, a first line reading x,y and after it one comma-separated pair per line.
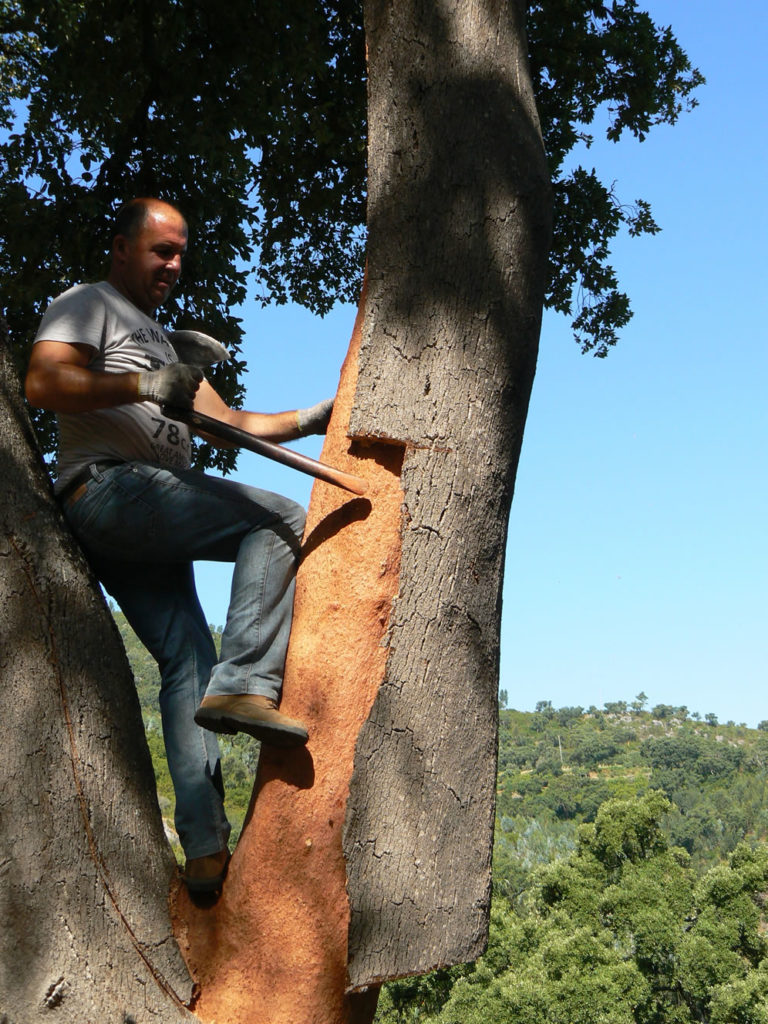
x,y
198,349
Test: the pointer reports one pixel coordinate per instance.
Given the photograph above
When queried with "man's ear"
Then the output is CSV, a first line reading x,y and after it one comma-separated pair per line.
x,y
119,247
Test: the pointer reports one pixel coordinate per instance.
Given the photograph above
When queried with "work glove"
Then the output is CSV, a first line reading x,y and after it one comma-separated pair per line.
x,y
175,384
315,419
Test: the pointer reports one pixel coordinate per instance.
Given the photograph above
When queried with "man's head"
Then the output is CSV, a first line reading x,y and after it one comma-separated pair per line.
x,y
149,240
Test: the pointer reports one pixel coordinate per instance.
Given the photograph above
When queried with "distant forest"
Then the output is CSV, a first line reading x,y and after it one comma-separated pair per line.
x,y
630,871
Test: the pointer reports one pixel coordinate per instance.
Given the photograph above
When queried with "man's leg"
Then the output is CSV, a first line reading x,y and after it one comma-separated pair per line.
x,y
245,686
166,516
255,637
161,604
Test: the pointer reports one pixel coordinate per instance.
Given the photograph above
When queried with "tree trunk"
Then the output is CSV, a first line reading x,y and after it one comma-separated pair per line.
x,y
394,651
459,227
86,868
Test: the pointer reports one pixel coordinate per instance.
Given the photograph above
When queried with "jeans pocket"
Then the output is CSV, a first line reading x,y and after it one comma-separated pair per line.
x,y
113,518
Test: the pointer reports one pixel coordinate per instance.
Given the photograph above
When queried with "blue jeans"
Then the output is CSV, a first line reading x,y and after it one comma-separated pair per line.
x,y
141,528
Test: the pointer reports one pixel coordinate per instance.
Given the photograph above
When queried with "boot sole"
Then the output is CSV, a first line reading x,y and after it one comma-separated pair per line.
x,y
229,723
207,885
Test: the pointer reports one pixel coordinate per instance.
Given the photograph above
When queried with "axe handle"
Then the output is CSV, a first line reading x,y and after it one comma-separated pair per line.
x,y
241,438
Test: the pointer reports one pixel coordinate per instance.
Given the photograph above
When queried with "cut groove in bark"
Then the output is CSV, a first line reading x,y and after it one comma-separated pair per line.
x,y
275,947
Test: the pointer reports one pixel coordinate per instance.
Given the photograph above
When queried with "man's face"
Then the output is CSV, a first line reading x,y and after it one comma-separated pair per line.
x,y
146,268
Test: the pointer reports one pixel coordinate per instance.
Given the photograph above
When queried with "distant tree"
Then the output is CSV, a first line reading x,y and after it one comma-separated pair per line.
x,y
567,716
524,844
763,726
543,714
711,719
676,751
639,702
719,760
503,698
663,711
593,750
548,763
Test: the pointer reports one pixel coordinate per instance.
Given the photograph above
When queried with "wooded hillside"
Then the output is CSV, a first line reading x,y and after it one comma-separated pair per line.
x,y
630,869
630,875
558,765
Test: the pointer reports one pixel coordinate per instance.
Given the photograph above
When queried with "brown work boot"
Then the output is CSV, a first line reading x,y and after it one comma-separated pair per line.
x,y
206,874
247,712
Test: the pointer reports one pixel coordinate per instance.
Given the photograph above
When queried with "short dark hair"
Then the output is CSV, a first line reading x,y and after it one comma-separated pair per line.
x,y
132,216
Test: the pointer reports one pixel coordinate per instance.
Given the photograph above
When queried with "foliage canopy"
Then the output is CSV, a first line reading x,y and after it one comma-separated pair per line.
x,y
621,931
263,147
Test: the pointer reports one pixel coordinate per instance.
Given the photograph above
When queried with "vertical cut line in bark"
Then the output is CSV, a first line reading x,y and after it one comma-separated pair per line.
x,y
98,860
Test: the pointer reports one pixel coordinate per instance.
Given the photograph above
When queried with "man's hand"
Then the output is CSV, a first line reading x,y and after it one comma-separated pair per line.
x,y
315,419
175,384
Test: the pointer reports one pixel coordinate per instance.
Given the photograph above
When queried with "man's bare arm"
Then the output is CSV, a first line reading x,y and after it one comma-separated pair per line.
x,y
278,426
58,379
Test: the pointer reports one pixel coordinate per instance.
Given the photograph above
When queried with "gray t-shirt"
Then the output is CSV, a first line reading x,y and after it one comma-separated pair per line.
x,y
123,340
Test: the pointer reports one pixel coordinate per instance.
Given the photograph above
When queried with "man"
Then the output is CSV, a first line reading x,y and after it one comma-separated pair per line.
x,y
107,369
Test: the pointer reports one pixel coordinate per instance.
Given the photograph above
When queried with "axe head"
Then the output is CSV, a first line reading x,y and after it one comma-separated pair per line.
x,y
197,349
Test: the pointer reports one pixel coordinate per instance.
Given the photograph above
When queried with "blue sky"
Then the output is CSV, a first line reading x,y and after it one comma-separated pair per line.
x,y
637,545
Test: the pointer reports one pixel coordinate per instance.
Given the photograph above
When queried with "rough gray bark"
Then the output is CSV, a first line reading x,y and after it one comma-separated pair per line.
x,y
85,868
459,226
